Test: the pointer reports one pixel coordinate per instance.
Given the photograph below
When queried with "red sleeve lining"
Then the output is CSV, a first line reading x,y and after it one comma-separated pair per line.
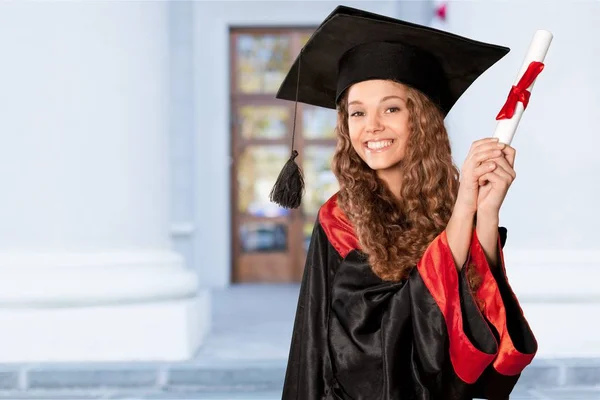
x,y
440,276
510,361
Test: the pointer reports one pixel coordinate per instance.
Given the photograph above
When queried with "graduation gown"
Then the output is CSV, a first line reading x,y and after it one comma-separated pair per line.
x,y
358,337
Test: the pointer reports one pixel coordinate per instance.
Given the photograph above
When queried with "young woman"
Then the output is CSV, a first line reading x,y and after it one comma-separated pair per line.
x,y
404,294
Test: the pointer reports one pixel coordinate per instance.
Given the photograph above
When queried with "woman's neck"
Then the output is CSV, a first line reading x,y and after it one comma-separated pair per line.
x,y
393,179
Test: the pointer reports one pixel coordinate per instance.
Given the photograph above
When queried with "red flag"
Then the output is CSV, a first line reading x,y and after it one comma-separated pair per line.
x,y
440,10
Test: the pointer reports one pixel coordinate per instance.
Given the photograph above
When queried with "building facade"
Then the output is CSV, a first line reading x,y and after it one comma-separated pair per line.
x,y
139,142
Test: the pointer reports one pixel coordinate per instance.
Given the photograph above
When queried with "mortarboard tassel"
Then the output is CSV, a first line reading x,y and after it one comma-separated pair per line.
x,y
287,191
289,187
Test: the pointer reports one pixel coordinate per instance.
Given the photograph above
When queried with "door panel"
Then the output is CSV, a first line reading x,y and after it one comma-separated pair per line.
x,y
269,242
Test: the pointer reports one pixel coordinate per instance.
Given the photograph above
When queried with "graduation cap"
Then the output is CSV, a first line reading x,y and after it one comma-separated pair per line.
x,y
353,45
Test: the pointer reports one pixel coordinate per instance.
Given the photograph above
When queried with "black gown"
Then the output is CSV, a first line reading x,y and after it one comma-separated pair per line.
x,y
358,337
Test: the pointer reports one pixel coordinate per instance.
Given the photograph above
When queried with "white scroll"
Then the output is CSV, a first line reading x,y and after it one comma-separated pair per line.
x,y
510,115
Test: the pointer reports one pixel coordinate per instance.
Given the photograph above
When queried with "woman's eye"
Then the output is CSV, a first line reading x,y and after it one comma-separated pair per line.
x,y
393,109
357,114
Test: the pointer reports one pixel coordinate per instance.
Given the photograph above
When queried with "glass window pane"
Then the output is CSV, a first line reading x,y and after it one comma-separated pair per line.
x,y
318,122
321,183
262,62
258,169
267,122
263,237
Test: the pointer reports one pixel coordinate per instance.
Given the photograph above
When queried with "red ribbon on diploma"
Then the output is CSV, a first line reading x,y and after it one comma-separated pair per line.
x,y
519,92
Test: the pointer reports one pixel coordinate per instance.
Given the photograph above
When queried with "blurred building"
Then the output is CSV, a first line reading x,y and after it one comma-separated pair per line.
x,y
140,140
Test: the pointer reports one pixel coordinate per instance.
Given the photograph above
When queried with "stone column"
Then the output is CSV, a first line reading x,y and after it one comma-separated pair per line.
x,y
86,269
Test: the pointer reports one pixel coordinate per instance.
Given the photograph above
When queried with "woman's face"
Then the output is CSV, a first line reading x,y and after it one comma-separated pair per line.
x,y
378,122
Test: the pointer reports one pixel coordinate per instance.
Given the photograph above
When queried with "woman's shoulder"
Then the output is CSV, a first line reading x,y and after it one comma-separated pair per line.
x,y
337,227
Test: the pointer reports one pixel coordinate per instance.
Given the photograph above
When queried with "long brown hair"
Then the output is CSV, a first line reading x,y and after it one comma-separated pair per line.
x,y
393,233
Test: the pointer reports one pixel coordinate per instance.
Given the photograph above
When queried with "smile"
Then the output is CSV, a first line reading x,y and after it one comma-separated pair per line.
x,y
378,145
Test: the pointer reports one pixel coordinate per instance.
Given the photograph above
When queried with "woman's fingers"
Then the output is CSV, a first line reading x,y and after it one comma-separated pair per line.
x,y
498,176
484,168
481,145
489,177
480,142
503,163
486,154
510,154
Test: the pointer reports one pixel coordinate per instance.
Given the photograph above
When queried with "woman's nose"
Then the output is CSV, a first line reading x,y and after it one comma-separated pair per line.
x,y
373,123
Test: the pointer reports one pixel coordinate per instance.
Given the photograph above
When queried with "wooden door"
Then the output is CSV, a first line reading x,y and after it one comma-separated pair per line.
x,y
269,242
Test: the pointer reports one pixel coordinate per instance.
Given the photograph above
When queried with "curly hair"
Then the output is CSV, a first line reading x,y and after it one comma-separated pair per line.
x,y
394,233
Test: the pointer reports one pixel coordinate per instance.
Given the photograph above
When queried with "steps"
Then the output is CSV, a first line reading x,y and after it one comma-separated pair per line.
x,y
237,380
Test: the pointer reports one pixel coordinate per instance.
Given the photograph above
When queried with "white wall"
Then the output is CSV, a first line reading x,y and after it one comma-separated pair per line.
x,y
211,82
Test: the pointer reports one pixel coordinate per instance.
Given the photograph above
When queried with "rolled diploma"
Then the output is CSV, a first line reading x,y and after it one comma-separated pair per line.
x,y
506,128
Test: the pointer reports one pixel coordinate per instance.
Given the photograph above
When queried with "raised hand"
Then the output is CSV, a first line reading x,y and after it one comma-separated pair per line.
x,y
494,184
478,163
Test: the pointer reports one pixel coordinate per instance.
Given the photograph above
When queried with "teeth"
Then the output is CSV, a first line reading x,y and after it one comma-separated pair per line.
x,y
379,145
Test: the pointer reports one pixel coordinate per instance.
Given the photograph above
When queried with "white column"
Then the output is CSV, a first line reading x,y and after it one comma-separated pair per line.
x,y
86,269
551,210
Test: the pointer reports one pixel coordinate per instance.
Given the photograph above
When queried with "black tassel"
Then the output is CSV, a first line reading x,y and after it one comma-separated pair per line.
x,y
289,187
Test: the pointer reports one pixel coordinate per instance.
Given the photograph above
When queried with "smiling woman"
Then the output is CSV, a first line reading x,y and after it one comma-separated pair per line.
x,y
403,296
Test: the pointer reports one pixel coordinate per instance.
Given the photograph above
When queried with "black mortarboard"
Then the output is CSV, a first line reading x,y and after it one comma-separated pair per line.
x,y
352,45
